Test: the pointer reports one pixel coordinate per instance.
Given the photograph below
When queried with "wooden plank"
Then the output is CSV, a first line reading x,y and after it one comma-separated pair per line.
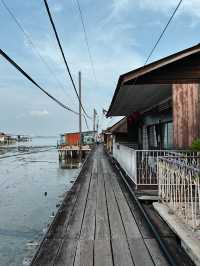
x,y
102,253
88,226
95,170
47,253
121,253
102,225
93,187
186,114
130,225
140,254
58,229
73,228
116,226
67,253
104,165
120,248
76,219
156,254
143,227
84,253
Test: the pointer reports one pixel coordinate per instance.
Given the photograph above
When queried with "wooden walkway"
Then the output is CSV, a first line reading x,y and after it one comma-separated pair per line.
x,y
98,224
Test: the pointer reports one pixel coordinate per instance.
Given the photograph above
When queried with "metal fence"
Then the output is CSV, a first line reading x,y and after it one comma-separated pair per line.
x,y
179,187
127,158
141,165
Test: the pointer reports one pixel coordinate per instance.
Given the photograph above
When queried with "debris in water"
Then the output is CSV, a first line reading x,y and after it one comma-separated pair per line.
x,y
57,205
44,230
26,261
52,215
45,193
32,244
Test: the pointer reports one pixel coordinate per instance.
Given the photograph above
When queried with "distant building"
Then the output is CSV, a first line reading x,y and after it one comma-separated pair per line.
x,y
87,137
116,133
6,139
2,138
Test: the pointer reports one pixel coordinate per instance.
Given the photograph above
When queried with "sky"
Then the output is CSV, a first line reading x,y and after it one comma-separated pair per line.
x,y
121,34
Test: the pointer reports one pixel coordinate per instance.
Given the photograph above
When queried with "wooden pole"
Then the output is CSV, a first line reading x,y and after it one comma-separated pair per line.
x,y
94,122
80,116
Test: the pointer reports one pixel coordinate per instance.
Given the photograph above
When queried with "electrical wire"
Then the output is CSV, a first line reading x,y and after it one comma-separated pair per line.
x,y
86,122
28,37
63,55
162,33
13,63
86,40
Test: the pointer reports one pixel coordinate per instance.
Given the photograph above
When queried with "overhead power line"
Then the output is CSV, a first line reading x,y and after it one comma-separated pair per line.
x,y
34,46
86,39
13,63
162,33
63,55
86,122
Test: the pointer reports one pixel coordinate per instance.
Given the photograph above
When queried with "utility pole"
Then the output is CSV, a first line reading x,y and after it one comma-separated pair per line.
x,y
94,123
80,116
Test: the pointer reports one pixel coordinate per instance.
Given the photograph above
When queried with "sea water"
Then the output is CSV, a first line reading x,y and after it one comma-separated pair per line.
x,y
31,188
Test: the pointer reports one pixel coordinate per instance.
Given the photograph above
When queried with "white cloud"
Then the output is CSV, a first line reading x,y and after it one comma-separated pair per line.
x,y
189,7
39,113
57,7
119,5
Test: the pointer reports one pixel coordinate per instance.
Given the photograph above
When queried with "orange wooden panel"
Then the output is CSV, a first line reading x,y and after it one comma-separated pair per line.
x,y
73,138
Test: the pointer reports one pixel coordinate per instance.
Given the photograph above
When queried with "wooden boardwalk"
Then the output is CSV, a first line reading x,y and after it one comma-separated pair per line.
x,y
98,224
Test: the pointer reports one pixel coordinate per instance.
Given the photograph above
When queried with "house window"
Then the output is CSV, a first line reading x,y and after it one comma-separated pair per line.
x,y
167,130
152,138
160,136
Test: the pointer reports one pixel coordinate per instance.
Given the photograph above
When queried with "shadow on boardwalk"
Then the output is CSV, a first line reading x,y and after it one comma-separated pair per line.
x,y
96,224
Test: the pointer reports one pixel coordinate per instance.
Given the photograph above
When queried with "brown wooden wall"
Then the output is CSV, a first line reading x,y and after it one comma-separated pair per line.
x,y
186,114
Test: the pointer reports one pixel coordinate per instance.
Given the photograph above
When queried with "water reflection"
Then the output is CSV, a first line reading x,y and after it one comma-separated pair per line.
x,y
70,163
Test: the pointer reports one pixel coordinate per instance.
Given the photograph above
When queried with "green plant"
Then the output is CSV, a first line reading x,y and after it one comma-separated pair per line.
x,y
196,145
195,177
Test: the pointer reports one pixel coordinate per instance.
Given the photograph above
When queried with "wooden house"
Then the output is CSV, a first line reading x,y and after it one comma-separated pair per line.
x,y
116,133
161,103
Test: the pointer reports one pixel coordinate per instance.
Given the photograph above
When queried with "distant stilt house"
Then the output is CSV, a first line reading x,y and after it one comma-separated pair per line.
x,y
161,103
6,139
2,138
70,144
87,138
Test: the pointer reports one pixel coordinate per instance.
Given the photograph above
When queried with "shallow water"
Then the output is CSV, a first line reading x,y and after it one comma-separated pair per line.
x,y
25,211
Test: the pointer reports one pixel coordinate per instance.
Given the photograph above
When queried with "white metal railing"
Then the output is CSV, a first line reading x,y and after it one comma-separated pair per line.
x,y
141,165
127,158
179,187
